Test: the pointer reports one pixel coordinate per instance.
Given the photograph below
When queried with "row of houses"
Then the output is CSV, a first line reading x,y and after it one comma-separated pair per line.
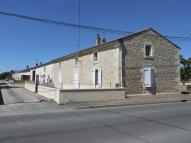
x,y
144,62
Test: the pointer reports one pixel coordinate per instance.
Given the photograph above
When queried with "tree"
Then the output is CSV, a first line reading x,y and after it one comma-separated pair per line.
x,y
185,71
5,75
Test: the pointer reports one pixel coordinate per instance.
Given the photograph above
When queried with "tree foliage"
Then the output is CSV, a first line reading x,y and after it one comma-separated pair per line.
x,y
5,75
185,71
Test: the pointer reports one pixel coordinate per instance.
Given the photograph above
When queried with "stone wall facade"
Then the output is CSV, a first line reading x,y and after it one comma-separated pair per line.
x,y
165,62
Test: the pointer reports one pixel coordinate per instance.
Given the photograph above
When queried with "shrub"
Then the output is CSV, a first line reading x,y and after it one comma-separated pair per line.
x,y
189,87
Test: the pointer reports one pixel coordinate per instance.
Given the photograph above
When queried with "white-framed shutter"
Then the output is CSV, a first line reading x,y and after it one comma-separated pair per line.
x,y
60,76
152,77
76,79
93,78
99,78
147,77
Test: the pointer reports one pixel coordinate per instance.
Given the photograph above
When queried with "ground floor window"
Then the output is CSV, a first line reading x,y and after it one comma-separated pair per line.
x,y
97,78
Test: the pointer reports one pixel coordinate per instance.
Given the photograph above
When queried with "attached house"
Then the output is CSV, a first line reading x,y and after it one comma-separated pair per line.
x,y
43,73
144,62
92,68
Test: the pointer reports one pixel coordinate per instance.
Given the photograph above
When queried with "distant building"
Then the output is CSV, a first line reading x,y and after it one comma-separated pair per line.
x,y
144,63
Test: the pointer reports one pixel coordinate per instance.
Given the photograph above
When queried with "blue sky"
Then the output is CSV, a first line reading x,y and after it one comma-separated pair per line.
x,y
24,42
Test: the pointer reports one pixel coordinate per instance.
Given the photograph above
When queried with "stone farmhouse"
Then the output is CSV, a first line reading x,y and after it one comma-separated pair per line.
x,y
143,63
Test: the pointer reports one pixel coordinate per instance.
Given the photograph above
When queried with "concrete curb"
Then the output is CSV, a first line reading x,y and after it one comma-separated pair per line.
x,y
131,104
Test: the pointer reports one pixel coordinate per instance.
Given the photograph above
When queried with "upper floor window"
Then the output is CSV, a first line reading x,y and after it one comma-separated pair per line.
x,y
148,51
76,60
95,56
60,64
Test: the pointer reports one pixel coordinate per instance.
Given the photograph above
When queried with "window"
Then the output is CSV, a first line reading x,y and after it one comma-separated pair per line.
x,y
44,69
37,78
76,60
148,50
96,78
49,79
44,78
60,64
95,56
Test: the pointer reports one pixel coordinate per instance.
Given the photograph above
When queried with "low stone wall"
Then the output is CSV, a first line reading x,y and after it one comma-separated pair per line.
x,y
48,92
30,86
75,95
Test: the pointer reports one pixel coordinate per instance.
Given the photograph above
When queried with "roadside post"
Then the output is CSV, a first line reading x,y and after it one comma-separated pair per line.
x,y
36,86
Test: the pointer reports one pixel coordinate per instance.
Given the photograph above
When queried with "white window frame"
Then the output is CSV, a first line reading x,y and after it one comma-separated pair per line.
x,y
93,54
151,52
93,73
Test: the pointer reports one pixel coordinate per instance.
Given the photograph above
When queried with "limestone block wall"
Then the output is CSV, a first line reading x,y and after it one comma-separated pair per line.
x,y
75,95
47,71
48,92
66,96
30,86
108,62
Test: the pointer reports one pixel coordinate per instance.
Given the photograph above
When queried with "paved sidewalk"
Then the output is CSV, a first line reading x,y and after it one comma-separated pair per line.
x,y
45,107
133,100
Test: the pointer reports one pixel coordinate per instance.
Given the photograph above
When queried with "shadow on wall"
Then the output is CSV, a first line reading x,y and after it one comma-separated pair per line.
x,y
1,98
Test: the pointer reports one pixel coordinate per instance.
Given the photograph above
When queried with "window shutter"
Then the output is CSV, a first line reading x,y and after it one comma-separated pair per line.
x,y
93,78
99,78
147,77
76,79
152,77
60,76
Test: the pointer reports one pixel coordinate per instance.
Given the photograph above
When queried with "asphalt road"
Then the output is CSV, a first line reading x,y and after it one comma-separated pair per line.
x,y
161,123
10,94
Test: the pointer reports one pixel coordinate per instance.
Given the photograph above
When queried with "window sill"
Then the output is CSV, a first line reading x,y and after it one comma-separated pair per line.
x,y
95,62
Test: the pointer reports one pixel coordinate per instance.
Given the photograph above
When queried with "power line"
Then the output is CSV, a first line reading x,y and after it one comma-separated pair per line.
x,y
79,30
82,27
60,23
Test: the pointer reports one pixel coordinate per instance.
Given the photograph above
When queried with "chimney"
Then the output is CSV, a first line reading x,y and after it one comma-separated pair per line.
x,y
98,40
27,66
36,64
40,63
104,40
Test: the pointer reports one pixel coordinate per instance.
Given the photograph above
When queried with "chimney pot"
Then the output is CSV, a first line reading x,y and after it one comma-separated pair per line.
x,y
104,40
98,40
